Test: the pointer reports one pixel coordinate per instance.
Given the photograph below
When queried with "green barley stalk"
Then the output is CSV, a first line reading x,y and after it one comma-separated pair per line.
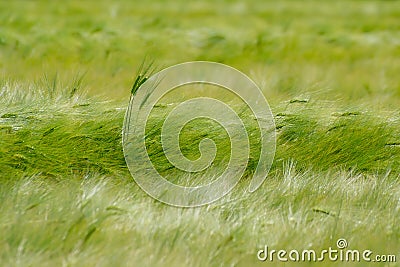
x,y
143,73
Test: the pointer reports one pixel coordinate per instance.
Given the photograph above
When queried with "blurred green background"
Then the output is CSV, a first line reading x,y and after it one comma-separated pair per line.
x,y
335,50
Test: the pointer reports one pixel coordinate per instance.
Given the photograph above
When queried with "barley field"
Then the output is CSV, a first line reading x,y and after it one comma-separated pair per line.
x,y
329,70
